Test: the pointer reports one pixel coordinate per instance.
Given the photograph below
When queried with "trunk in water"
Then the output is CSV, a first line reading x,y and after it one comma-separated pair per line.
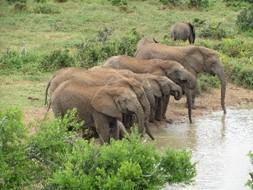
x,y
140,119
188,94
221,76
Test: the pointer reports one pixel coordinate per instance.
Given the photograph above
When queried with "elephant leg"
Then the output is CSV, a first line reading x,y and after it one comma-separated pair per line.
x,y
158,110
148,131
165,103
102,127
152,114
122,130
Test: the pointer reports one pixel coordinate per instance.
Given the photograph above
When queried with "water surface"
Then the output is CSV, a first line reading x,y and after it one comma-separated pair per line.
x,y
219,144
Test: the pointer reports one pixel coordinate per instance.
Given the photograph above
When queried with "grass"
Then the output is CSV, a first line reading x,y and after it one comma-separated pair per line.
x,y
41,34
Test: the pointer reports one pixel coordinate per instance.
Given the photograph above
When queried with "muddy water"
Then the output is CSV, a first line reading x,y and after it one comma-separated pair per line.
x,y
219,145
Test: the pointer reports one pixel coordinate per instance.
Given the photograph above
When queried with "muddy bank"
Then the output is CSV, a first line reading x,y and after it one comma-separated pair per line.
x,y
210,101
205,103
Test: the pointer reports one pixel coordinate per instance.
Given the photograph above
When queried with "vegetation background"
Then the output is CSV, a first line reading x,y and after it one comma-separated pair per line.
x,y
39,36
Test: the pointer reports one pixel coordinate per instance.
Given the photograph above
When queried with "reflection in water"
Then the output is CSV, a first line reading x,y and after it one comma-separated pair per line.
x,y
220,145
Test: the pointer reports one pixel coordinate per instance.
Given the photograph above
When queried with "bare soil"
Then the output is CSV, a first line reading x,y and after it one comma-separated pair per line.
x,y
207,102
210,101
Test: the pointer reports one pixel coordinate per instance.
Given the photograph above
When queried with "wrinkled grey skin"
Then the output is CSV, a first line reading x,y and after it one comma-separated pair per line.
x,y
100,76
183,31
195,59
99,106
170,69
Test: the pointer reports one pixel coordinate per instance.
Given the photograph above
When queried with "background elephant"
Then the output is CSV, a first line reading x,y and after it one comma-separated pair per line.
x,y
102,106
183,31
100,77
170,69
194,58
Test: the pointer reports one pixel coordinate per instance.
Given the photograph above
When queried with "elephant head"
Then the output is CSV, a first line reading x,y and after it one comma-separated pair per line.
x,y
186,81
114,102
213,66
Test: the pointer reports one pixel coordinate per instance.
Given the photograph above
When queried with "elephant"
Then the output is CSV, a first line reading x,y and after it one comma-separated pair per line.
x,y
171,69
161,88
196,59
103,77
183,31
101,105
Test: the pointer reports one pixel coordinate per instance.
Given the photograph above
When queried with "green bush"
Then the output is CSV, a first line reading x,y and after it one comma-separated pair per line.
x,y
56,60
46,8
198,3
16,60
207,82
55,158
126,164
93,51
118,2
20,6
40,1
237,3
250,181
245,19
17,1
213,31
232,47
170,2
13,160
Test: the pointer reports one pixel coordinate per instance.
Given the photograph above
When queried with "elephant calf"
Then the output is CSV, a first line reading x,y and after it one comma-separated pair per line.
x,y
183,31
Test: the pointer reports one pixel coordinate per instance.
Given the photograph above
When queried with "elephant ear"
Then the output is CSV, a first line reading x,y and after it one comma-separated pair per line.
x,y
102,102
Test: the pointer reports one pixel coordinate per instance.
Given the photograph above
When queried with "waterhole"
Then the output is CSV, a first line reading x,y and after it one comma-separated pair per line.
x,y
219,144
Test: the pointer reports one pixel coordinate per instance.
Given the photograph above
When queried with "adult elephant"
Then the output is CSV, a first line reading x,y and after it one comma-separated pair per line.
x,y
101,105
170,69
195,59
183,31
100,77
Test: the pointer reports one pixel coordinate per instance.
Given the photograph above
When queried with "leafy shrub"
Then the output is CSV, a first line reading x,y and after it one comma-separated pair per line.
x,y
170,2
20,6
46,8
237,3
250,181
56,60
40,1
126,164
95,50
17,1
245,19
207,82
212,31
118,2
59,159
239,71
13,160
198,3
61,1
16,60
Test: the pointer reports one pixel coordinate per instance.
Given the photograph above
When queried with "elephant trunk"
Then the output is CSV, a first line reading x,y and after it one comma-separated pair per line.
x,y
222,79
140,118
188,94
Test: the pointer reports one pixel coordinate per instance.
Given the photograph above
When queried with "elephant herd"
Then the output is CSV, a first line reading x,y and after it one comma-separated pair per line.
x,y
125,90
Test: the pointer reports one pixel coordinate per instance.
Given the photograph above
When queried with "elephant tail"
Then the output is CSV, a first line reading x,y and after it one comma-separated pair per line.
x,y
46,93
192,32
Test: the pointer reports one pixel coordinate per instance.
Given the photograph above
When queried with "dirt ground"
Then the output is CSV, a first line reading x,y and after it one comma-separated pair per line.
x,y
206,103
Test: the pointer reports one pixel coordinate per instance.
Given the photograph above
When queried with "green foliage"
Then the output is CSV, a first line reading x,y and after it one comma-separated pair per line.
x,y
46,8
13,160
239,72
199,3
20,6
16,60
118,2
126,164
190,3
56,60
245,19
17,1
250,181
213,31
207,82
93,51
40,1
59,159
237,3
